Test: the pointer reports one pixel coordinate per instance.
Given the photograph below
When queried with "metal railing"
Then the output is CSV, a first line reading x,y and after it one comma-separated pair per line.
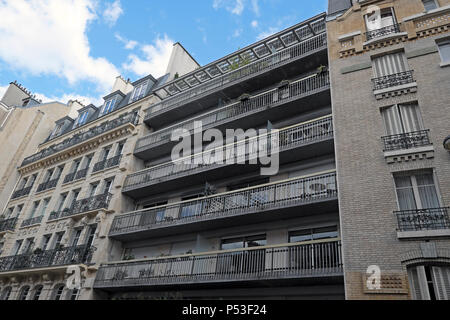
x,y
47,185
262,101
252,200
8,224
264,64
97,202
131,117
108,163
320,258
22,193
31,221
407,140
423,219
393,80
77,175
240,152
395,28
50,258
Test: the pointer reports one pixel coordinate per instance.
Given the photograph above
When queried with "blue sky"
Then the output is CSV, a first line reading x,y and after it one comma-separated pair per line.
x,y
65,49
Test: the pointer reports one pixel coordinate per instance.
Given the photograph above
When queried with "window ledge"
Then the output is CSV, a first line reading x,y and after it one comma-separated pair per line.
x,y
423,234
420,153
395,90
445,64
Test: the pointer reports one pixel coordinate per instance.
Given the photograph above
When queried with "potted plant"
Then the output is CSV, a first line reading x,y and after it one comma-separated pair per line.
x,y
321,69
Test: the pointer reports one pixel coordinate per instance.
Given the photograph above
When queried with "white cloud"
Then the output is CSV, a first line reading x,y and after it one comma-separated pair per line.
x,y
237,33
255,7
255,24
3,90
129,44
112,12
65,98
234,6
268,33
49,38
155,58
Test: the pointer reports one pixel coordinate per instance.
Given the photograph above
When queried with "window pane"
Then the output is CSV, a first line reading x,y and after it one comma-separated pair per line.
x,y
405,193
427,191
444,49
429,4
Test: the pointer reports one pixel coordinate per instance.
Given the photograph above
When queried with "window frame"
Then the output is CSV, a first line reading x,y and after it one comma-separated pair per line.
x,y
445,42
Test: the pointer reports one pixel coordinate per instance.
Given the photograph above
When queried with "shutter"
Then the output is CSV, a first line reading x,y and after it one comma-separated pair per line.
x,y
389,64
418,282
412,121
392,121
441,281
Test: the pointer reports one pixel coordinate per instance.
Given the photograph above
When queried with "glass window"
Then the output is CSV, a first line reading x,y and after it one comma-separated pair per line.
x,y
74,294
58,291
37,292
444,50
24,293
313,234
430,282
390,64
430,4
108,106
139,91
81,119
403,118
6,294
244,242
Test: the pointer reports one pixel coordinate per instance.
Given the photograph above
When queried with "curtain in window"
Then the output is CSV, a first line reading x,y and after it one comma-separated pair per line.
x,y
427,191
392,121
412,121
405,193
390,64
441,279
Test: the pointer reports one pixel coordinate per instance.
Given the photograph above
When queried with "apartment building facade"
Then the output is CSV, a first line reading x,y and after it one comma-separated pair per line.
x,y
390,90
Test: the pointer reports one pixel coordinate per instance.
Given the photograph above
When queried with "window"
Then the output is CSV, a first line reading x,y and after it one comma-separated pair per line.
x,y
58,172
73,294
58,240
58,291
19,210
139,91
120,148
108,106
387,18
62,200
402,118
75,195
76,165
93,189
159,216
430,282
29,243
37,292
191,208
88,161
81,119
430,4
444,50
105,153
49,175
416,191
244,242
57,130
45,241
34,209
17,247
9,213
390,64
1,247
313,234
108,185
76,237
24,293
6,294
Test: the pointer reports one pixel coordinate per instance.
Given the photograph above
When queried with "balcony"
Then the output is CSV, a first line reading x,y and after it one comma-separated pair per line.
x,y
257,266
265,71
305,140
47,185
8,225
423,223
31,222
317,193
106,164
405,141
83,206
312,91
393,80
382,32
21,193
47,259
76,175
131,118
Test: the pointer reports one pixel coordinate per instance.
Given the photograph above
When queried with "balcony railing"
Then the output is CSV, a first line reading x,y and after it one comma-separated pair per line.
x,y
22,193
47,185
305,133
395,28
31,221
423,219
49,258
106,164
252,201
264,64
309,259
131,117
97,202
262,101
76,175
8,224
407,140
393,80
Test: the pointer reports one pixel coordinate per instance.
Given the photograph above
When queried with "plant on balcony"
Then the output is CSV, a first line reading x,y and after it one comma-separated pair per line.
x,y
129,258
38,251
189,252
321,70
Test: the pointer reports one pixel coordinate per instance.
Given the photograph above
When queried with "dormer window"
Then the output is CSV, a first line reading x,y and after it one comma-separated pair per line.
x,y
139,91
81,119
57,130
108,106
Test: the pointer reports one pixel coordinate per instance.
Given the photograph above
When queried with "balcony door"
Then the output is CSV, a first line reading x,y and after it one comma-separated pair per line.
x,y
430,282
386,19
402,119
390,64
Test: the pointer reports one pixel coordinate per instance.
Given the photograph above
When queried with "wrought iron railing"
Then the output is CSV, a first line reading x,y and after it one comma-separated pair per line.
x,y
240,152
105,164
423,219
309,259
8,224
47,185
393,80
22,192
395,28
97,202
253,201
262,101
31,221
50,258
76,175
131,117
265,64
407,140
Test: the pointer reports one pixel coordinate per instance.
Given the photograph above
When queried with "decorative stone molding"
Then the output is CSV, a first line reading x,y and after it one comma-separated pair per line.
x,y
409,155
396,91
